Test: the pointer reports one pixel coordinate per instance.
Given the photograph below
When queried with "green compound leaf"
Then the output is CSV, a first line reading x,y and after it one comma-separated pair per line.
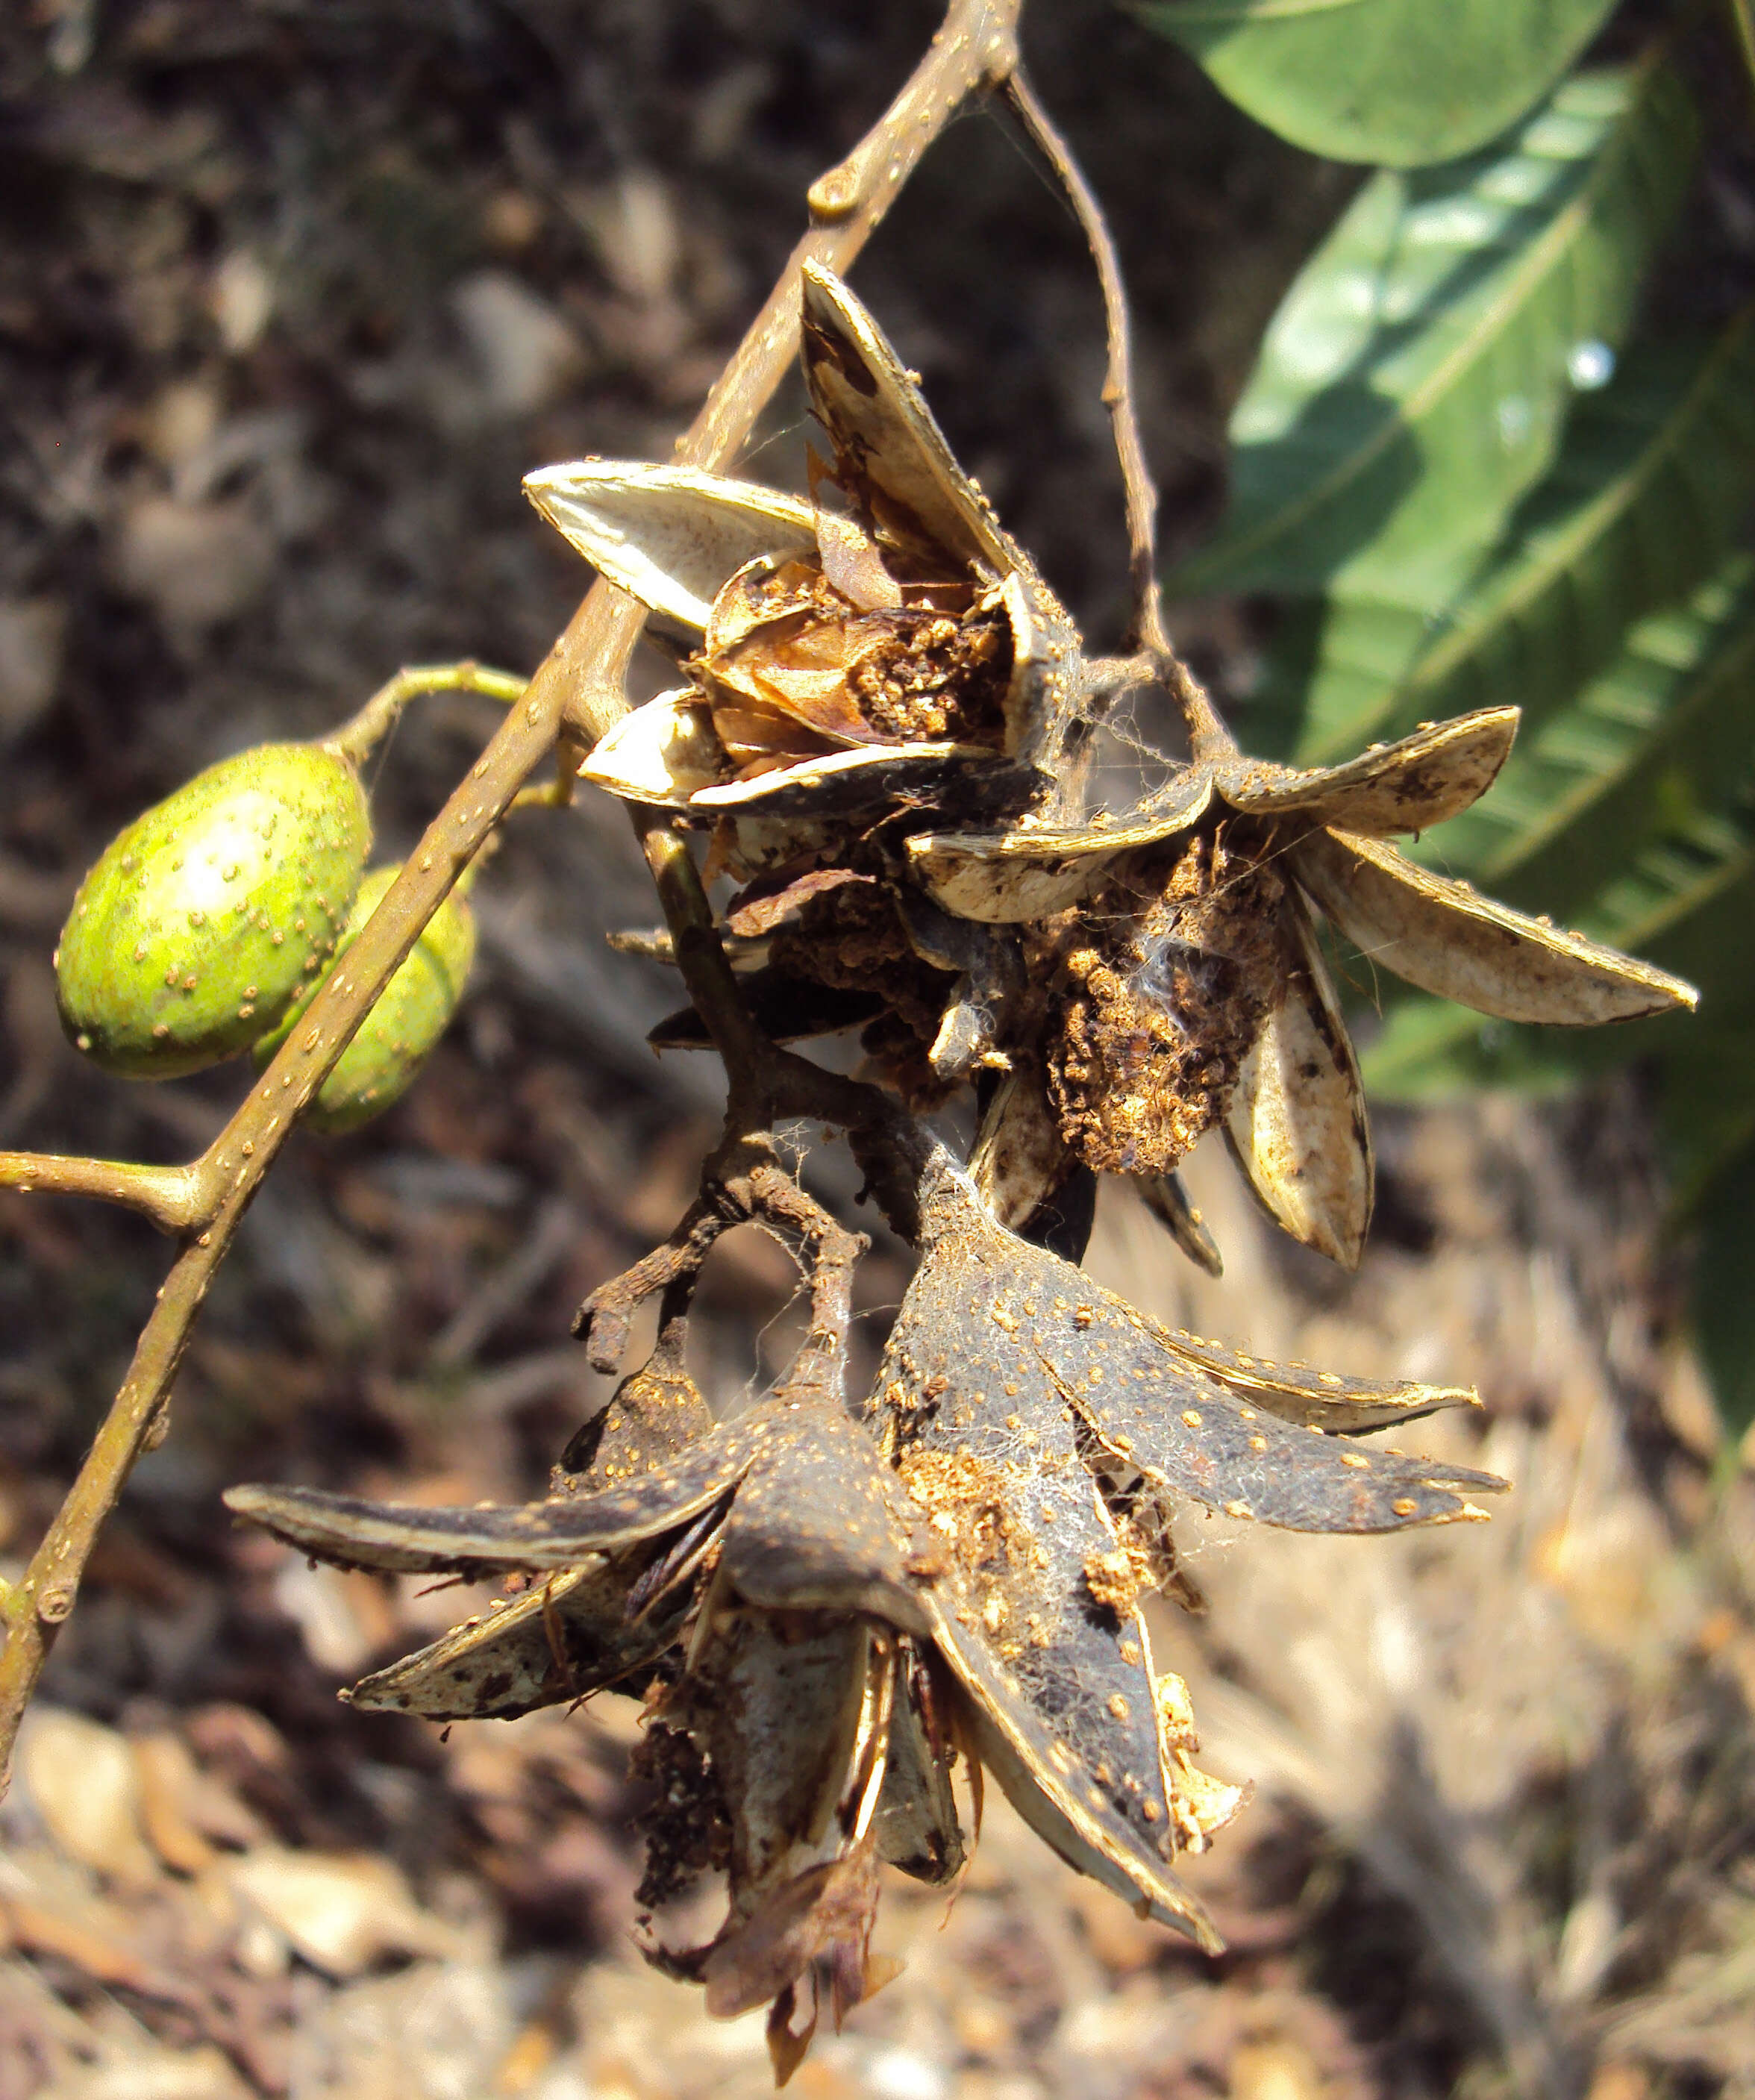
x,y
1643,755
1400,83
1648,490
1333,668
1413,385
1630,812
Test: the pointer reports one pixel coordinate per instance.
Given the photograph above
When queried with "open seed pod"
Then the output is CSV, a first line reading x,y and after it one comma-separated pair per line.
x,y
823,1611
1191,992
1041,1425
850,659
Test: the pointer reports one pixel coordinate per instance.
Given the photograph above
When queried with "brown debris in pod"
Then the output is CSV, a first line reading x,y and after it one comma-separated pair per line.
x,y
853,939
786,651
1200,1803
1168,969
1145,1563
1113,1580
968,1506
938,678
686,1826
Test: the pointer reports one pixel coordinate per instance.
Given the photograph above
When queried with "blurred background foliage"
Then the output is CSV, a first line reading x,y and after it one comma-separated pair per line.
x,y
1482,458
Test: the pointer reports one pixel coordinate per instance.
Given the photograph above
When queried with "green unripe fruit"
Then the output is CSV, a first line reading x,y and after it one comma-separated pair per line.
x,y
199,925
413,1010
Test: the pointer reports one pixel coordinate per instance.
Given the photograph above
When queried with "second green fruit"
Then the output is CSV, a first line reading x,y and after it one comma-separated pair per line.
x,y
412,1011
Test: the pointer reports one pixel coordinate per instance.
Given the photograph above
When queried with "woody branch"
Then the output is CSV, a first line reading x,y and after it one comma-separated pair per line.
x,y
575,696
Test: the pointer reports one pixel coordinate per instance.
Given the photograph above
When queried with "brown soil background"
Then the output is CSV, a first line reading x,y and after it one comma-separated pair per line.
x,y
290,297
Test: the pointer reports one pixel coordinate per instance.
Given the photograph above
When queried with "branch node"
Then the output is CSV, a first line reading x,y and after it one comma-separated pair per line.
x,y
55,1603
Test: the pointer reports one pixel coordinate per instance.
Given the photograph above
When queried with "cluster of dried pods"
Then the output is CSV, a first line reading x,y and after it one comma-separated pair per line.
x,y
826,1604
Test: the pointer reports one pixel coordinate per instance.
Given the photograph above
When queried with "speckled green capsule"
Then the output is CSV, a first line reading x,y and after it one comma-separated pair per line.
x,y
199,926
413,1010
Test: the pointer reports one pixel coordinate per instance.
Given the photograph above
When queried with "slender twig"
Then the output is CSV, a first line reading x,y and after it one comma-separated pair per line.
x,y
1207,734
355,739
175,1199
575,694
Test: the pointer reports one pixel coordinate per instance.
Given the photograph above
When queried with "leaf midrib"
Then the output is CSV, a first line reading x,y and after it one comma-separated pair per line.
x,y
1561,813
1518,286
1592,523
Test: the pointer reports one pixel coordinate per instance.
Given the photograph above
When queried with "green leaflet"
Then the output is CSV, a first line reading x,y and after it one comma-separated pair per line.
x,y
1428,1049
1396,83
1649,486
1332,661
1412,386
1644,752
1631,814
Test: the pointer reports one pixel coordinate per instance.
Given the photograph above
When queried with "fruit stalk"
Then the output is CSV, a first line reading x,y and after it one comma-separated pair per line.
x,y
355,740
174,1197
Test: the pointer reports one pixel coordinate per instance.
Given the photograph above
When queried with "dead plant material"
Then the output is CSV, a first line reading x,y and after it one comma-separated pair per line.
x,y
1166,972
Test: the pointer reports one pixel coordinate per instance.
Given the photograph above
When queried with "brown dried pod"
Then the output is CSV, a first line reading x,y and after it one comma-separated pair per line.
x,y
830,1607
848,660
1035,1420
1196,994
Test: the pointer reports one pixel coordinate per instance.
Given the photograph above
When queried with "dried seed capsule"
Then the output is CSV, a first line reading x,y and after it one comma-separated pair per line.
x,y
198,925
413,1010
